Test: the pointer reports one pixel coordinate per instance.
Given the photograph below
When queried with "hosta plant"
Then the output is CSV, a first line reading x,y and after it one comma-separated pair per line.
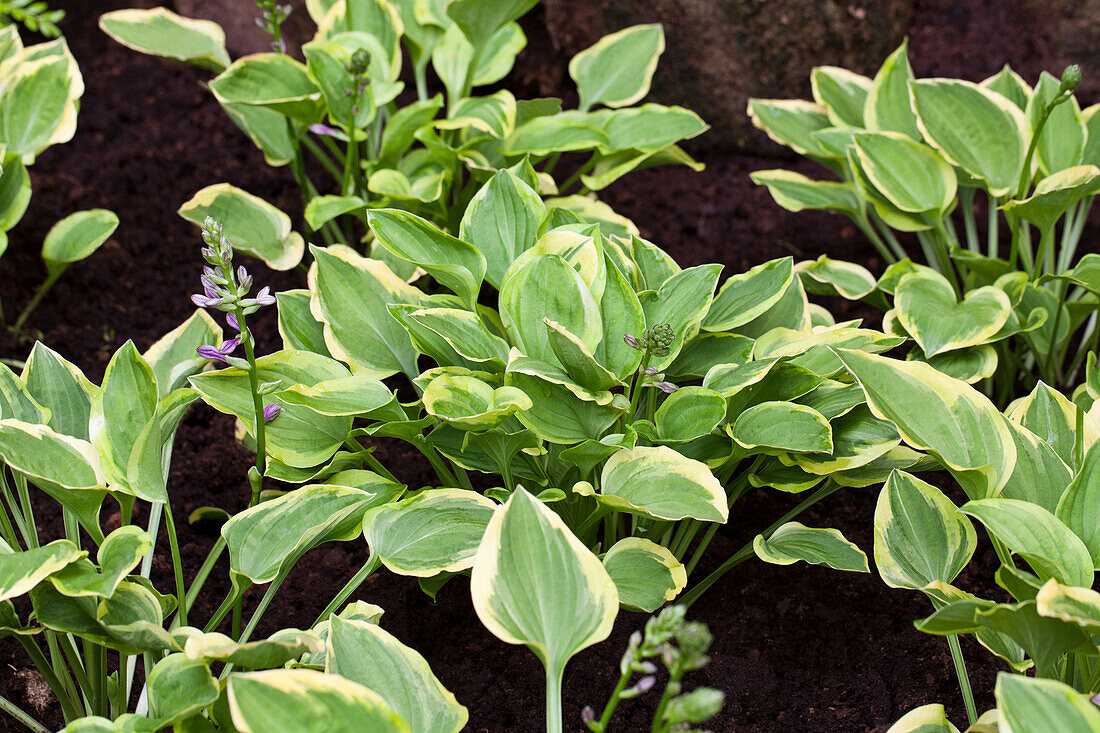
x,y
916,155
1030,475
431,155
40,90
632,398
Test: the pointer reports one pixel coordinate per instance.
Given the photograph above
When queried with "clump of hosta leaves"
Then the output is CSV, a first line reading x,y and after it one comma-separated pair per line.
x,y
432,156
681,646
914,155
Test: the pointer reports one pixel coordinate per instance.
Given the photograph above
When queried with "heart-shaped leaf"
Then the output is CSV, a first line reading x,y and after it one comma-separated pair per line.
x,y
646,574
927,309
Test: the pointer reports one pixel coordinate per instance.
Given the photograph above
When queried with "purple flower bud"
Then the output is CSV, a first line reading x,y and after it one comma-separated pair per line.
x,y
1096,699
321,129
208,287
632,342
210,352
272,411
648,667
232,321
264,297
645,684
228,347
666,387
205,301
651,370
242,274
588,714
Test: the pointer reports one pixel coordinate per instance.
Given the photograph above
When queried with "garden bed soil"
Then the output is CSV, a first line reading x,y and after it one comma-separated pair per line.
x,y
795,648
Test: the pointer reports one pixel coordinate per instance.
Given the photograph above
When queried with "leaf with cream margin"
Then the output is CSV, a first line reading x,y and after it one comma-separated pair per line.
x,y
646,574
658,482
251,224
534,583
943,416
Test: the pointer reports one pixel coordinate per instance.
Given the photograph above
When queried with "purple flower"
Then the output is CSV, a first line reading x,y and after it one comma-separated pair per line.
x,y
651,370
666,387
205,301
218,353
632,341
232,321
208,287
321,129
272,411
264,297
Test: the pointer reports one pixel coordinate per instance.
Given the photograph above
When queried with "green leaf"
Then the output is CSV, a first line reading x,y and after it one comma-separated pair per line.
x,y
617,70
365,653
748,295
77,236
681,301
1053,418
1044,640
358,394
658,482
1061,142
1010,84
22,571
1077,507
783,426
160,32
15,193
179,686
454,263
941,415
557,414
266,128
126,401
271,80
920,536
58,385
1079,606
1039,476
975,128
535,583
35,96
1056,194
351,295
328,69
321,209
646,574
298,327
1049,546
689,413
911,176
825,276
265,541
791,122
558,133
501,221
560,294
298,437
925,719
887,107
470,404
927,309
308,701
841,92
1032,705
480,19
577,358
435,531
119,554
252,225
173,358
129,621
795,192
858,438
817,546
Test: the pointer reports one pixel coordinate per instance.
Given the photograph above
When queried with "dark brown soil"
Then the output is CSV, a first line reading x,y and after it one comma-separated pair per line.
x,y
796,649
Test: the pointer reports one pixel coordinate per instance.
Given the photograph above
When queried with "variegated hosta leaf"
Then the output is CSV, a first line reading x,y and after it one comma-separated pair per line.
x,y
308,701
689,413
179,686
927,309
888,106
118,554
1076,605
944,416
501,221
274,81
1029,705
281,647
557,414
126,402
436,531
58,385
251,224
827,276
365,653
1040,476
748,295
910,175
858,438
173,358
925,719
795,192
1061,142
358,394
471,404
682,301
1052,417
617,70
795,541
658,482
266,540
1056,194
782,426
161,32
535,583
920,536
646,574
791,122
1049,546
841,92
1077,506
975,128
22,571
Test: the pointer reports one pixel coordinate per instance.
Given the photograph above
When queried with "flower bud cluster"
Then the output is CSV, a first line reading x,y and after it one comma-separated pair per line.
x,y
223,288
272,15
357,68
